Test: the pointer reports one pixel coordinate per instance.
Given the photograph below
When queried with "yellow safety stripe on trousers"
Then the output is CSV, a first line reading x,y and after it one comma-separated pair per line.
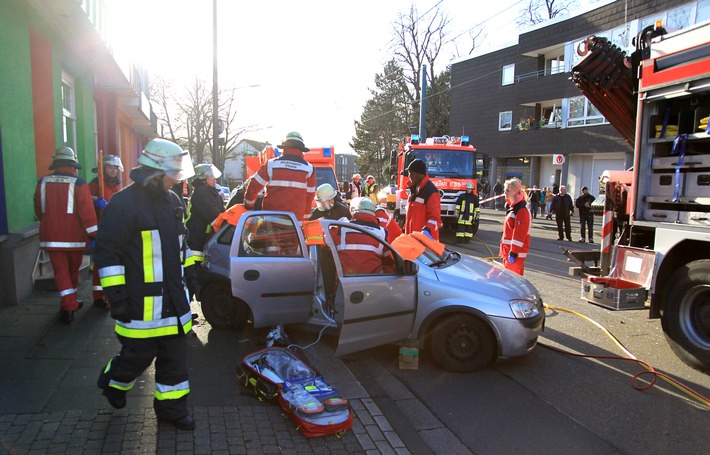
x,y
113,275
152,256
125,386
171,392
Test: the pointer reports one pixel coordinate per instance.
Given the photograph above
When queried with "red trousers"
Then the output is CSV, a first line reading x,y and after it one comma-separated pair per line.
x,y
518,266
66,276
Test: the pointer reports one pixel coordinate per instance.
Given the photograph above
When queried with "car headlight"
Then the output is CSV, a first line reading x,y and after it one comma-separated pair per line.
x,y
523,309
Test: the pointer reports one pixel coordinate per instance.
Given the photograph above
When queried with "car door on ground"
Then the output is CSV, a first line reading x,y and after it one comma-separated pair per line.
x,y
372,308
270,269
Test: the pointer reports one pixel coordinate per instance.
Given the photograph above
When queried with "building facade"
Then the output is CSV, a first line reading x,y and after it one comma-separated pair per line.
x,y
345,166
64,85
525,116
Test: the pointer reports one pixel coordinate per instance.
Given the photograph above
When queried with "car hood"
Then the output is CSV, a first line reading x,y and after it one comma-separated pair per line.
x,y
487,278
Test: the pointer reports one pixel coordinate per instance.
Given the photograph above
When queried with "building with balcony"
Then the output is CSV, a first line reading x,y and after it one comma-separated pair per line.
x,y
525,116
62,82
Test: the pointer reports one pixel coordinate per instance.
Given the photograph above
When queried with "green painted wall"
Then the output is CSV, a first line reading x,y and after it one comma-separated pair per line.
x,y
16,111
16,117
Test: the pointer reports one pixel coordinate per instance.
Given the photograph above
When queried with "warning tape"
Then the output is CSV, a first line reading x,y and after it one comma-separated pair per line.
x,y
491,198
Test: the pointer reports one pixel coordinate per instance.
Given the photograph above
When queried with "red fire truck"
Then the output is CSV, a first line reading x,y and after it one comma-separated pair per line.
x,y
659,100
451,164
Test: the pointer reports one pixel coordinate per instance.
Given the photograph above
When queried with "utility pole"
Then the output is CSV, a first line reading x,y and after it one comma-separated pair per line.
x,y
215,101
422,108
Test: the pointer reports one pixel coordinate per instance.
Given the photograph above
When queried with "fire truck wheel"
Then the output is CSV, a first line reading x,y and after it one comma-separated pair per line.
x,y
462,342
221,309
686,314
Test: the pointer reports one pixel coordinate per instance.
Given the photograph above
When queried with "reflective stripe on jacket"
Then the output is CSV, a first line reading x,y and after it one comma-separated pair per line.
x,y
359,253
62,203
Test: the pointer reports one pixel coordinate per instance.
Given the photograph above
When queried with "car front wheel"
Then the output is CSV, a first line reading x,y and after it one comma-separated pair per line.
x,y
462,342
221,309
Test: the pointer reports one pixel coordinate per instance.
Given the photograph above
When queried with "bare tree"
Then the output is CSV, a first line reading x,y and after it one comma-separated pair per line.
x,y
536,11
418,40
185,113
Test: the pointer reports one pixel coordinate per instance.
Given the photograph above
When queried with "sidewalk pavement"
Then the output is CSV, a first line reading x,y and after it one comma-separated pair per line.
x,y
49,401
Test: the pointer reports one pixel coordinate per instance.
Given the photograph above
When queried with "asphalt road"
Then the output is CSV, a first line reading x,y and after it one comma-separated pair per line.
x,y
552,403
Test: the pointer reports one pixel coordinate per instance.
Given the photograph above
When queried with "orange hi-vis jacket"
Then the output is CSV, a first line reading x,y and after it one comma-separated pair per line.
x,y
63,204
424,210
359,253
290,183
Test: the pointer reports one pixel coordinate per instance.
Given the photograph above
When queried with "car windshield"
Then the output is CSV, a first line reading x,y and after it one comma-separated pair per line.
x,y
447,163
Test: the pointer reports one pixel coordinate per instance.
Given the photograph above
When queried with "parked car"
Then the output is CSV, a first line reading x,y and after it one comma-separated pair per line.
x,y
470,312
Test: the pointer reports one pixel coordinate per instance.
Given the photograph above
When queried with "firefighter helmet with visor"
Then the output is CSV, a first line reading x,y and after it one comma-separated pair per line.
x,y
205,170
168,157
362,204
325,197
112,160
64,156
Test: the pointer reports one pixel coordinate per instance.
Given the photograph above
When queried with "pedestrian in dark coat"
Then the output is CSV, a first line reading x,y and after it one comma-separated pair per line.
x,y
586,217
563,208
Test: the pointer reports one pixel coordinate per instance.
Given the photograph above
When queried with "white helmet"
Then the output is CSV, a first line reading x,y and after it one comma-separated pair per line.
x,y
167,156
202,171
362,204
325,192
325,197
64,156
469,186
356,176
112,160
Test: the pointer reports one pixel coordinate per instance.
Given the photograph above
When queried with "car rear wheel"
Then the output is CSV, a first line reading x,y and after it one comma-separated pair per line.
x,y
221,308
462,342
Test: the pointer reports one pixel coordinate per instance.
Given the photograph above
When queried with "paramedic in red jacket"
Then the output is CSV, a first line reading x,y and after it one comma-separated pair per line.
x,y
515,243
359,253
424,209
63,205
289,179
113,167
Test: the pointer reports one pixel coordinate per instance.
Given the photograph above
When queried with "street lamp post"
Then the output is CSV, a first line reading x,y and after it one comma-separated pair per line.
x,y
215,101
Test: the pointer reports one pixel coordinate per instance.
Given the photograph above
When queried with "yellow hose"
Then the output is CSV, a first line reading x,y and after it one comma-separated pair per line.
x,y
650,370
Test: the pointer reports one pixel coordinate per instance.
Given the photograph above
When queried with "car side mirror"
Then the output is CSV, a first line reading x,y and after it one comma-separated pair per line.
x,y
410,268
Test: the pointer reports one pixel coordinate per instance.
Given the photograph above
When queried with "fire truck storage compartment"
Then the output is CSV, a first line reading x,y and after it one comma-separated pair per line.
x,y
626,288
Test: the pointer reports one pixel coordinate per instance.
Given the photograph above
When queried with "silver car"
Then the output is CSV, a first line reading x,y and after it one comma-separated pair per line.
x,y
467,311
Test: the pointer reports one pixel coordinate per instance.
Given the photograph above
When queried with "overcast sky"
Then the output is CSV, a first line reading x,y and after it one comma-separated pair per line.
x,y
312,60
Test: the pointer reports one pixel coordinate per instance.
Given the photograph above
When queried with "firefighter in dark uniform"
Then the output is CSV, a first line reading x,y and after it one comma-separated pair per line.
x,y
329,205
205,206
467,211
63,205
140,255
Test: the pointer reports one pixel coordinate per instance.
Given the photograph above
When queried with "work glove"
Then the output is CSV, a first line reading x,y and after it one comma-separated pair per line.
x,y
100,203
92,245
426,232
511,257
120,311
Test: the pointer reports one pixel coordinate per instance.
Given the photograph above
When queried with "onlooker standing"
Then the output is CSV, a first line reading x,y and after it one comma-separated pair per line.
x,y
424,206
549,196
142,258
289,179
112,168
355,188
563,207
535,197
586,217
515,241
67,221
498,190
